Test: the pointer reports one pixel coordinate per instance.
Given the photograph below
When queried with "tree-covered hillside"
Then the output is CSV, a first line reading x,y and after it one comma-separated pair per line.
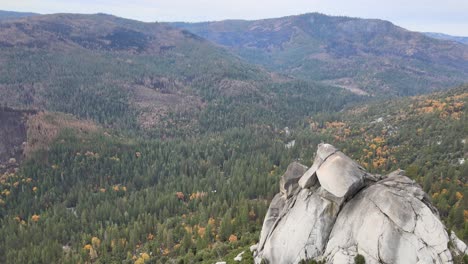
x,y
133,75
4,15
99,197
363,55
463,40
149,144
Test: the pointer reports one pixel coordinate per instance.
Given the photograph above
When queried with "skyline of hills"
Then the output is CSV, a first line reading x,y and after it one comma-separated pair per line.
x,y
125,73
366,56
460,39
132,142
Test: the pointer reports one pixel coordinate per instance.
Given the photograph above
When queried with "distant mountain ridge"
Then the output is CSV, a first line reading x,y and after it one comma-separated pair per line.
x,y
95,32
122,72
371,55
460,39
109,68
5,15
364,56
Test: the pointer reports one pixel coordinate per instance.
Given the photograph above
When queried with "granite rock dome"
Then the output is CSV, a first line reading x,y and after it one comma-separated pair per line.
x,y
336,210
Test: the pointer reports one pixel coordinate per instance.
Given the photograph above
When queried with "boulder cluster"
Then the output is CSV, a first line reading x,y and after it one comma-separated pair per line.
x,y
335,210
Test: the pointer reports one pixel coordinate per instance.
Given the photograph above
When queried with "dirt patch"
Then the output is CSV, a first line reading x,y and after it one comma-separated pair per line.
x,y
155,105
347,84
13,131
234,88
44,127
25,131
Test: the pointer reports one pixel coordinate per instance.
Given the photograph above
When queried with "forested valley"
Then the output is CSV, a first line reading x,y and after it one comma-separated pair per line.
x,y
132,142
104,196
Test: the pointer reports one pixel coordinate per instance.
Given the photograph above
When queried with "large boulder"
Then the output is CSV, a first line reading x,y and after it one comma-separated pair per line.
x,y
388,224
298,232
340,175
289,180
337,210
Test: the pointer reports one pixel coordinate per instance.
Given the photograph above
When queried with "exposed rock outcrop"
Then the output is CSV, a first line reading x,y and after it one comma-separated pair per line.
x,y
337,210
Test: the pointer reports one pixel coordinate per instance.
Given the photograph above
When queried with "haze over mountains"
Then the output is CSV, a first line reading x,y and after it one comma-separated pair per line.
x,y
5,15
463,40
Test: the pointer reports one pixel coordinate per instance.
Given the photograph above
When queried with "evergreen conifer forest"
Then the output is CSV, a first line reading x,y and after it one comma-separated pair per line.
x,y
131,142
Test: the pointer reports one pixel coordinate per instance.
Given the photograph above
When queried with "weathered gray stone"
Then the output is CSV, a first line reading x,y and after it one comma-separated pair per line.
x,y
239,256
460,246
301,231
390,227
325,150
253,248
309,178
340,175
276,208
289,180
388,220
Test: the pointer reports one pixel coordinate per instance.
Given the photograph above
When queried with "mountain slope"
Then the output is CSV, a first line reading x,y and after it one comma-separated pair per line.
x,y
463,40
13,129
24,132
4,15
374,56
125,73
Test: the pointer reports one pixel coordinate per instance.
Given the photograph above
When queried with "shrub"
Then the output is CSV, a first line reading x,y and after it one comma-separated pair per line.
x,y
359,259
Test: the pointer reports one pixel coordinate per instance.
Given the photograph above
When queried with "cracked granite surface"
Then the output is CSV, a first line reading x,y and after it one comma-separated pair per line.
x,y
335,210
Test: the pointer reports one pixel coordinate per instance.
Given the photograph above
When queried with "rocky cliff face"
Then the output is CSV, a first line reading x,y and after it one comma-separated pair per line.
x,y
336,210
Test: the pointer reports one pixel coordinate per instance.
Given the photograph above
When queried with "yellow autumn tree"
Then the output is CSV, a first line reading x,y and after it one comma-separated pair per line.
x,y
35,218
232,238
145,256
93,253
201,231
96,242
212,221
140,260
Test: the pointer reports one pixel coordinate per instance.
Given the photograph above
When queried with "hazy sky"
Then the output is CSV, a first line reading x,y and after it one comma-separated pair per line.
x,y
446,16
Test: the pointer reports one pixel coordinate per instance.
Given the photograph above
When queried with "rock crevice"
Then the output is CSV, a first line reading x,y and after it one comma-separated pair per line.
x,y
336,210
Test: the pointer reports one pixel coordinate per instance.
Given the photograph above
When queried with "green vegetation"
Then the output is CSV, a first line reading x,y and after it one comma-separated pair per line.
x,y
359,259
165,94
106,198
171,198
373,55
188,143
